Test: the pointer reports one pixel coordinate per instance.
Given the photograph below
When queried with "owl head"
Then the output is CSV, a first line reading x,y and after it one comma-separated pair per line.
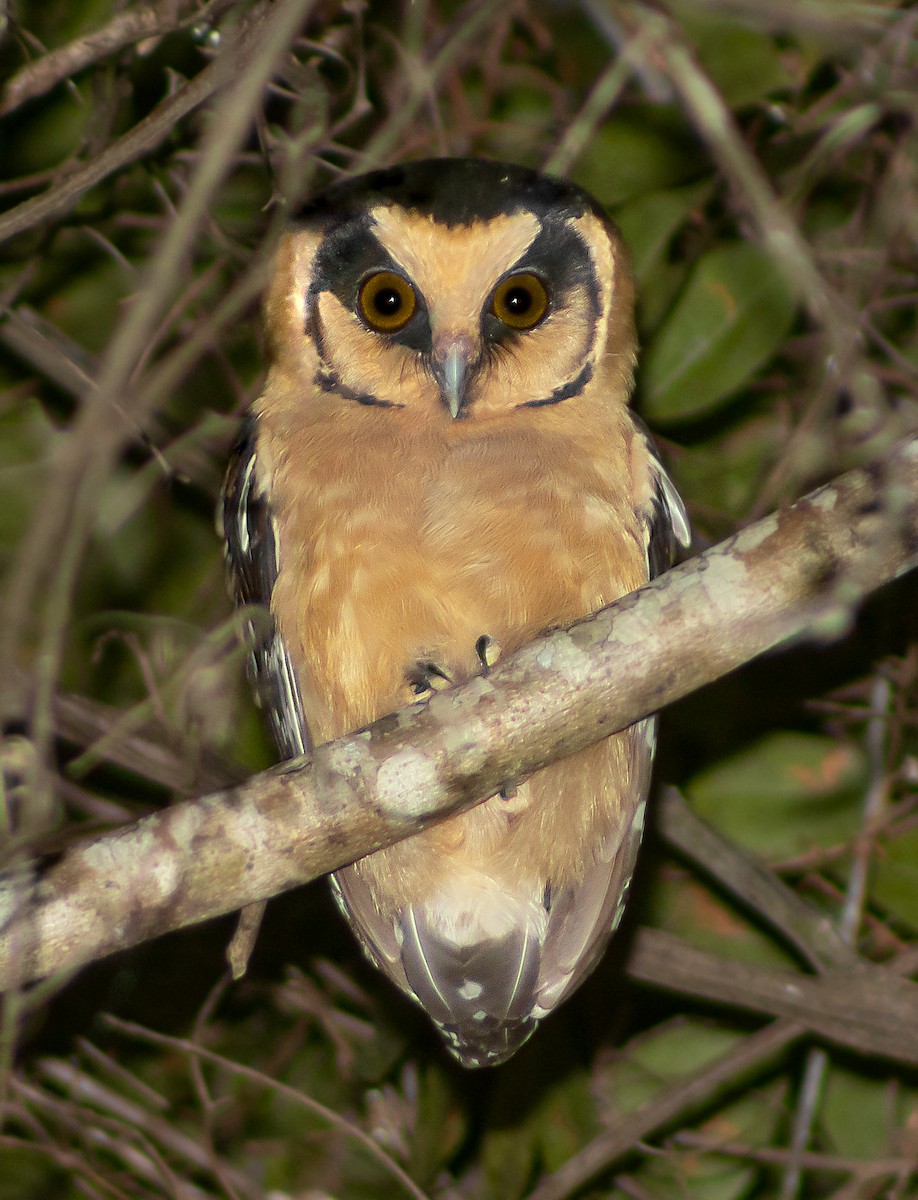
x,y
455,289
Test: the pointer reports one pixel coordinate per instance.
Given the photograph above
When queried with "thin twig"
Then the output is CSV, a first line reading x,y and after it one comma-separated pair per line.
x,y
142,139
817,1062
606,90
658,36
281,1089
135,24
469,24
751,1056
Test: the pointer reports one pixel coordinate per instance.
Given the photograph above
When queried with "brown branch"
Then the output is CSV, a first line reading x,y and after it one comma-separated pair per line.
x,y
138,23
842,20
800,571
142,139
868,1009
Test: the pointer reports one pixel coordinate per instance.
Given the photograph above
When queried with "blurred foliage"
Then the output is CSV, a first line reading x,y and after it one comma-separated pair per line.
x,y
753,406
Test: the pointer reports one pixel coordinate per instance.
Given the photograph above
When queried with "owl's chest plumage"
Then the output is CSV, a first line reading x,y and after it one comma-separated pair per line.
x,y
410,550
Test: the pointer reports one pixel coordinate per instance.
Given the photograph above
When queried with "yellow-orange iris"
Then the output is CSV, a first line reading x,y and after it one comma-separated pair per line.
x,y
520,301
386,301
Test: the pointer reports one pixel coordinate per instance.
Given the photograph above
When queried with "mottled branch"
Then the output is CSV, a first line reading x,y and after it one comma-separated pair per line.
x,y
799,572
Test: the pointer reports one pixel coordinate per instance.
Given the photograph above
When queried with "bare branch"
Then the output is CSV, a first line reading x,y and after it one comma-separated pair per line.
x,y
867,1010
800,571
138,23
141,139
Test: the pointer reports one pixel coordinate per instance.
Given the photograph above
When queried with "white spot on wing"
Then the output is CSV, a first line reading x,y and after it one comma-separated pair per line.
x,y
637,821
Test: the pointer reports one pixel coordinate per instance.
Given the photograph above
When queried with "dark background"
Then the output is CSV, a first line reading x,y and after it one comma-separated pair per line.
x,y
763,376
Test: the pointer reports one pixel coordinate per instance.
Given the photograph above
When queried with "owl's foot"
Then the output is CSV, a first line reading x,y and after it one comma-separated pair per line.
x,y
488,652
426,677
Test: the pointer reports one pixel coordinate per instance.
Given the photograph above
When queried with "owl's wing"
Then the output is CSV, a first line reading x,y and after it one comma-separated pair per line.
x,y
584,916
251,555
666,522
487,993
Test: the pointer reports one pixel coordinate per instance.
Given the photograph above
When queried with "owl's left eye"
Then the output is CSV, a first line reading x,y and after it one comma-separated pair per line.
x,y
520,301
386,301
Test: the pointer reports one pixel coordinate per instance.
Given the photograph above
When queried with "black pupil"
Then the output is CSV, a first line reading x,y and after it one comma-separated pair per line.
x,y
518,300
387,301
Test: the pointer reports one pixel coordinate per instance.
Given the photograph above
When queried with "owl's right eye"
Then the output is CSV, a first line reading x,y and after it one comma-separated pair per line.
x,y
386,301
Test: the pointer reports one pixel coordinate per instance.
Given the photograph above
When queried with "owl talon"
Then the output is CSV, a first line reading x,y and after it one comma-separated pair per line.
x,y
488,652
425,676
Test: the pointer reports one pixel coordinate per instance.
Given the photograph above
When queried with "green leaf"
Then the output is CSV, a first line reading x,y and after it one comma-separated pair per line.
x,y
683,906
743,454
784,794
652,1063
668,1053
541,1112
649,224
895,876
509,1158
858,1114
746,66
439,1127
640,151
731,318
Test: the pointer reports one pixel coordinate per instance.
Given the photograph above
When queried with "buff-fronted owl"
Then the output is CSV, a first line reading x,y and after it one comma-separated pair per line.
x,y
442,465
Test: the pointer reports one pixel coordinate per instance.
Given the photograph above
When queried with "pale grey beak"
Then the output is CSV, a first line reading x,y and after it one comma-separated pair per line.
x,y
454,372
451,363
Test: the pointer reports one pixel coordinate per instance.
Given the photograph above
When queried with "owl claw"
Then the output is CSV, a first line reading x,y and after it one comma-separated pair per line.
x,y
425,677
488,652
